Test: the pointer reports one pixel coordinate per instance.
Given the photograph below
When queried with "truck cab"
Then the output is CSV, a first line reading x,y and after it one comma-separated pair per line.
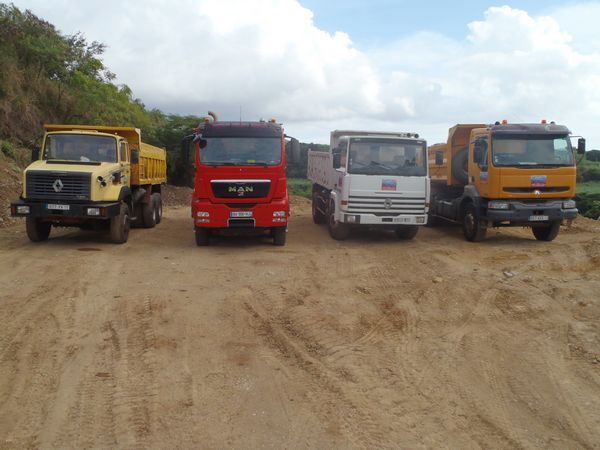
x,y
370,179
240,184
92,177
505,175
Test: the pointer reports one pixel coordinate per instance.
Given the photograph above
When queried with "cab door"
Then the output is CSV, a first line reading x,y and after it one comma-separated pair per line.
x,y
125,164
479,149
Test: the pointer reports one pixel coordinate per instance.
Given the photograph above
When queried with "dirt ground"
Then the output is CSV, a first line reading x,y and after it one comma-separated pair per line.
x,y
369,343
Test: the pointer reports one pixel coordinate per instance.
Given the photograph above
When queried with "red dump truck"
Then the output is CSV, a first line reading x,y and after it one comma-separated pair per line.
x,y
240,183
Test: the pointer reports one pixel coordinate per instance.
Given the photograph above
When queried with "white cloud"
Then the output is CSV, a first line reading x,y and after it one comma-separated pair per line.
x,y
268,57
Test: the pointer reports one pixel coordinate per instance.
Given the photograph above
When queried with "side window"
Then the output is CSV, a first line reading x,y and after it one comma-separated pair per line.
x,y
343,149
123,152
480,151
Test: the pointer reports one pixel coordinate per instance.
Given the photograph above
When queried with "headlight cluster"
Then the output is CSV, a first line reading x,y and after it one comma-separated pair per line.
x,y
498,205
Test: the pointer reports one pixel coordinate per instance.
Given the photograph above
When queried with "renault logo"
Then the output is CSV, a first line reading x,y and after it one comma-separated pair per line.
x,y
57,185
537,193
387,203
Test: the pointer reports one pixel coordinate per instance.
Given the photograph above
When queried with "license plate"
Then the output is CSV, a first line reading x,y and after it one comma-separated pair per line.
x,y
538,218
60,207
403,219
240,214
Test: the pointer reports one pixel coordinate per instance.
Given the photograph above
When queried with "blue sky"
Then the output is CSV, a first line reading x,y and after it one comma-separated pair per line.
x,y
373,22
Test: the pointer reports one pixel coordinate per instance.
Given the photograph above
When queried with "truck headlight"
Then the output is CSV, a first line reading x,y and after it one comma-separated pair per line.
x,y
498,205
279,214
93,211
202,214
569,204
22,209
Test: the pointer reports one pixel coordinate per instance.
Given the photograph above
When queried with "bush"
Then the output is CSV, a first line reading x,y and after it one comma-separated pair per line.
x,y
8,150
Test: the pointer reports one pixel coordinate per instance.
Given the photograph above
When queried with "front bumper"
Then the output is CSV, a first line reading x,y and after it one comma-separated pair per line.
x,y
520,212
372,219
44,210
259,215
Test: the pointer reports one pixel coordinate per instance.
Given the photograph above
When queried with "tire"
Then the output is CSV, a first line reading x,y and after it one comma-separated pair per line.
x,y
279,235
471,224
158,208
138,222
37,231
148,217
337,230
318,217
119,225
547,233
460,169
202,236
407,231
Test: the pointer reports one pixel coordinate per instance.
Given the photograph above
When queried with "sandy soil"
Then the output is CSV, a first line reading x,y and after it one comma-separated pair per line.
x,y
370,343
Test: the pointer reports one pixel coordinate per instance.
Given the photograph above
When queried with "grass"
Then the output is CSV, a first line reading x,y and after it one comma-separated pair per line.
x,y
590,187
300,186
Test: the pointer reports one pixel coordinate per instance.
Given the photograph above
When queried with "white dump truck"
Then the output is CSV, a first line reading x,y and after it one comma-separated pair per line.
x,y
370,179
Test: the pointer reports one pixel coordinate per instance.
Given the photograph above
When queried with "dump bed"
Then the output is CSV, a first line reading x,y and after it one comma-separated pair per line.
x,y
320,169
447,153
151,167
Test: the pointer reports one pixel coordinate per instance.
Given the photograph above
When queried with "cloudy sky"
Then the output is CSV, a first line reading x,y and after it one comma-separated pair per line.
x,y
318,65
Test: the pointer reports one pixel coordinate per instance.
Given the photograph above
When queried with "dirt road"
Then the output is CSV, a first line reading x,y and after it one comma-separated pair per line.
x,y
370,343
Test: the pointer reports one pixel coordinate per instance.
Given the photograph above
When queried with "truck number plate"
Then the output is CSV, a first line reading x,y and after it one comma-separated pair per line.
x,y
402,219
538,218
61,207
240,214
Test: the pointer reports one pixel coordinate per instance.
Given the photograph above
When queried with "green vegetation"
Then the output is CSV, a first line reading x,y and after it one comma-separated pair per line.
x,y
7,149
300,186
588,186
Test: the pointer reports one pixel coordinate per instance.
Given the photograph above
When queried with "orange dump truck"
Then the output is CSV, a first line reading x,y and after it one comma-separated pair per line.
x,y
504,175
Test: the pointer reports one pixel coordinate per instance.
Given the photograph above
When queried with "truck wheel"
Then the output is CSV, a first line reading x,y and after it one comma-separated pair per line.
x,y
148,216
337,230
547,233
318,217
119,225
473,230
37,230
279,235
138,222
202,237
407,231
460,169
158,208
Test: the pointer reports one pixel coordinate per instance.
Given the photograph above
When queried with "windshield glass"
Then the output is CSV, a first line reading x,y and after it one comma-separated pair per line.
x,y
84,148
387,157
532,151
238,151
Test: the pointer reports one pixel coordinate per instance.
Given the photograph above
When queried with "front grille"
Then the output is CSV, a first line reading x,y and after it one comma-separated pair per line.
x,y
386,206
240,188
531,190
47,185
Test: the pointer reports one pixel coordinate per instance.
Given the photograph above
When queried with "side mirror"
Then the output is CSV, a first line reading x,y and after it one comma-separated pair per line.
x,y
185,147
135,156
581,146
337,160
439,158
295,151
35,154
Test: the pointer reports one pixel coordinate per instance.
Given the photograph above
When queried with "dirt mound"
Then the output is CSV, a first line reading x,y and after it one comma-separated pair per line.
x,y
10,188
176,195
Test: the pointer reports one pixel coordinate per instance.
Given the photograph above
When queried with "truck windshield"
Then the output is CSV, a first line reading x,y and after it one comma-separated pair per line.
x,y
387,157
84,148
240,151
532,151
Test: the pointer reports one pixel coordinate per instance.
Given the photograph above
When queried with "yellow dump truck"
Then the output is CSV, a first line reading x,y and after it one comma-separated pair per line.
x,y
504,175
92,177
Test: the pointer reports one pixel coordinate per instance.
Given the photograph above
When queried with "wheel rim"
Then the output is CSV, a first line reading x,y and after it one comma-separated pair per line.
x,y
469,222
